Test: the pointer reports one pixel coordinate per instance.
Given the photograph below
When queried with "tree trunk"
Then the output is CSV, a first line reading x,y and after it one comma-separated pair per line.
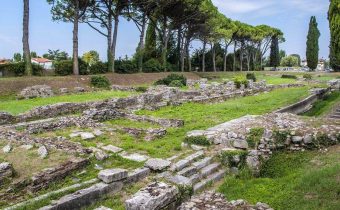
x,y
114,40
165,42
241,57
234,64
213,56
25,40
203,55
75,40
141,44
110,59
189,59
179,44
225,57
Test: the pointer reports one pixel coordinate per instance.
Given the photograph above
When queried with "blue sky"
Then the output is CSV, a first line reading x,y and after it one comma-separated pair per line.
x,y
291,16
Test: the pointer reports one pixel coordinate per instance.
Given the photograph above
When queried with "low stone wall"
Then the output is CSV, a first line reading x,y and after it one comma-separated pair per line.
x,y
306,104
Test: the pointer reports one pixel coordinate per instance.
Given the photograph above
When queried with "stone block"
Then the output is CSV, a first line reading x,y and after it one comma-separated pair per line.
x,y
112,175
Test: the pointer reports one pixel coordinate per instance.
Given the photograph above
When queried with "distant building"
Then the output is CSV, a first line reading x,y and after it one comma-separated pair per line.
x,y
321,64
43,62
4,61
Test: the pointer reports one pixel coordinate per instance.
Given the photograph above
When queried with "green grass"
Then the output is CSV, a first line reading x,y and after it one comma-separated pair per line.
x,y
324,106
302,180
20,106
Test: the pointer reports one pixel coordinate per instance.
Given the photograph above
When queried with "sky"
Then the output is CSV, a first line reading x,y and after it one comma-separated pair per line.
x,y
291,16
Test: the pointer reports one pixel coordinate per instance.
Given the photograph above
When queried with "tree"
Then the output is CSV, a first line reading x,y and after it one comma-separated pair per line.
x,y
312,51
17,57
91,57
275,52
150,50
282,54
71,11
290,61
34,55
334,25
56,55
25,40
298,57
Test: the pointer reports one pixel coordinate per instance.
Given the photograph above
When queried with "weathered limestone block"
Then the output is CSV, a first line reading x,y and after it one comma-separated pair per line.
x,y
42,152
85,197
112,175
6,118
137,174
134,157
157,164
155,196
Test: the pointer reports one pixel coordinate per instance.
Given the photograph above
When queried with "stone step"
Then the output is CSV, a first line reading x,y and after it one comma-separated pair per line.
x,y
209,180
188,171
209,169
202,163
186,161
195,178
335,116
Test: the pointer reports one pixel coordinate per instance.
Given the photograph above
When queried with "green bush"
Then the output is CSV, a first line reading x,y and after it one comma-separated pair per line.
x,y
197,140
280,137
176,83
239,81
98,68
172,77
100,82
251,76
254,137
288,76
141,89
125,67
65,67
152,65
307,76
227,158
18,69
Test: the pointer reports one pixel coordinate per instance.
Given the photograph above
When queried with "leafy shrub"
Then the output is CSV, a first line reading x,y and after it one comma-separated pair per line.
x,y
227,158
65,67
176,83
172,77
98,68
152,65
125,66
100,82
251,76
280,137
239,81
18,69
307,76
197,140
322,140
254,137
288,76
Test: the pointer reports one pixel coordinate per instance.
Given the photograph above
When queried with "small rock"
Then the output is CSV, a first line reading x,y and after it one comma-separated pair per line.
x,y
102,208
79,89
97,132
42,152
7,148
297,139
157,164
63,90
111,148
308,139
101,155
112,175
98,167
27,147
87,136
135,157
240,144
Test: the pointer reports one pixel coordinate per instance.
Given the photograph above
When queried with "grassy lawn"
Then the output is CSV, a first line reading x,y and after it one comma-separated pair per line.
x,y
20,106
301,180
323,107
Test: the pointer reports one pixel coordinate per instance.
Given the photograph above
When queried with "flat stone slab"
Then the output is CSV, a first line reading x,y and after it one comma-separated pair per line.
x,y
157,164
137,174
102,208
180,180
87,136
112,175
135,157
111,148
155,196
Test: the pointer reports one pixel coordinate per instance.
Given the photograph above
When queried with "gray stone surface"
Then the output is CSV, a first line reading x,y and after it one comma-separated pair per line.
x,y
101,155
134,157
137,174
155,196
179,180
6,170
38,91
87,135
112,175
102,208
111,148
240,144
42,152
7,148
157,164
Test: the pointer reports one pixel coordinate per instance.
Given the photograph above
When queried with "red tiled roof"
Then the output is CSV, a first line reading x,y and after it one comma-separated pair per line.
x,y
41,60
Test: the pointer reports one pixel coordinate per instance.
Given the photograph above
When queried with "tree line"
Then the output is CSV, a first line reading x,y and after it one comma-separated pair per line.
x,y
167,29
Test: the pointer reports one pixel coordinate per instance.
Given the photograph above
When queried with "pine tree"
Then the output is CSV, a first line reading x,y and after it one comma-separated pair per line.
x,y
150,42
312,50
274,52
334,25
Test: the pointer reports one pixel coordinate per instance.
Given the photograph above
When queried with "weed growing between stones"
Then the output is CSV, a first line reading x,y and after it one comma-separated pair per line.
x,y
280,137
234,158
254,137
197,140
185,192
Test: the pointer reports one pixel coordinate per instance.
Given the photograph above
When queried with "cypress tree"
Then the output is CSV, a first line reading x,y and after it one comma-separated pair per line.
x,y
312,50
334,25
274,52
150,42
